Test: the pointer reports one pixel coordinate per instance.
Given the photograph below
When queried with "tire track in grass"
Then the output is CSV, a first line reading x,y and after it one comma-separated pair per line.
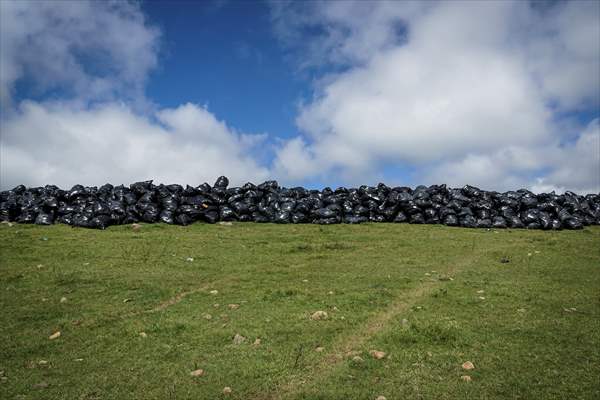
x,y
373,326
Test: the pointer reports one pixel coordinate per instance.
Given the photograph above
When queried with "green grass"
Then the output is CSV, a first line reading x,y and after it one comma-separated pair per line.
x,y
410,291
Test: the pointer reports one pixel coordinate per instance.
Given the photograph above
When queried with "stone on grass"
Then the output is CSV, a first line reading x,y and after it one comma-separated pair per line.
x,y
319,315
238,339
257,342
380,398
319,349
198,372
357,359
227,390
378,355
136,227
143,334
55,335
63,299
466,378
468,365
214,292
233,306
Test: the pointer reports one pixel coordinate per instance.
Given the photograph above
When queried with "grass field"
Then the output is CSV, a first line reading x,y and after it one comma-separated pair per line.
x,y
137,315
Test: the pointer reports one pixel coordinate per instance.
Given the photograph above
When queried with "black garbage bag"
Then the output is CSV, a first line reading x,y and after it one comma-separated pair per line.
x,y
483,223
450,220
499,223
227,214
99,222
417,218
183,219
573,223
400,217
44,219
467,221
282,217
529,216
355,219
26,216
167,217
211,216
514,222
222,182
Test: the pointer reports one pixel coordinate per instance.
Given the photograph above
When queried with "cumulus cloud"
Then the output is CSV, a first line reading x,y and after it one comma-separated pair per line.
x,y
89,49
470,92
97,56
63,145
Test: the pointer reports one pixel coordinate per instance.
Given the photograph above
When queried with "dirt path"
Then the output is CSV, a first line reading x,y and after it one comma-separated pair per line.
x,y
342,348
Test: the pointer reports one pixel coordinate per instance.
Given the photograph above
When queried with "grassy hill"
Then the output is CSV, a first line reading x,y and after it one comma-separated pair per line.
x,y
138,311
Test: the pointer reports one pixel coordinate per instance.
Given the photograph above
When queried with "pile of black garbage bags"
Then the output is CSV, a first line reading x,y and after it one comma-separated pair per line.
x,y
470,207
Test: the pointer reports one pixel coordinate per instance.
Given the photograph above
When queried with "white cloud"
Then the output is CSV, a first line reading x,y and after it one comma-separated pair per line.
x,y
471,96
98,56
64,145
90,49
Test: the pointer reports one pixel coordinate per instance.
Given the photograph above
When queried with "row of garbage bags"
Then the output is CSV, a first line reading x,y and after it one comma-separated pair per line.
x,y
470,207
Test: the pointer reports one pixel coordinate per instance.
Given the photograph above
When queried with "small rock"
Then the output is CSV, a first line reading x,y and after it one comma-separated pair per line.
x,y
207,316
319,349
304,280
136,227
227,390
189,259
214,292
429,354
334,308
427,274
330,292
319,315
216,305
378,355
198,372
143,334
466,378
357,359
40,266
41,385
79,359
233,306
468,365
42,363
225,223
63,299
257,342
86,264
481,298
55,335
481,291
238,339
529,254
380,398
126,300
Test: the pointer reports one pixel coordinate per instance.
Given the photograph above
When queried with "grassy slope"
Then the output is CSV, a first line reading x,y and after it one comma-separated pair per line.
x,y
388,283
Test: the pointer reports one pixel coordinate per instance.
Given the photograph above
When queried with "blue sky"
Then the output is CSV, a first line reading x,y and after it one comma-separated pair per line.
x,y
498,94
225,55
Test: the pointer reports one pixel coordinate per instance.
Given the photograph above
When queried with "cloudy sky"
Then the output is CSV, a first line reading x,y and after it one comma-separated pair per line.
x,y
501,95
